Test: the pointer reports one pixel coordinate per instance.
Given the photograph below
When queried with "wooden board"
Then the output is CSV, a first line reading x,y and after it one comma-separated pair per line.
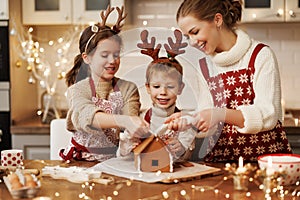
x,y
124,167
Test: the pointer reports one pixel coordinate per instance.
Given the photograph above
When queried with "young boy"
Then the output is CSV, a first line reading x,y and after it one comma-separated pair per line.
x,y
164,83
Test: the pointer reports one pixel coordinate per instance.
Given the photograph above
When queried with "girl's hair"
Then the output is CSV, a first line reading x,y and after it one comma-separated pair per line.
x,y
171,68
205,10
87,43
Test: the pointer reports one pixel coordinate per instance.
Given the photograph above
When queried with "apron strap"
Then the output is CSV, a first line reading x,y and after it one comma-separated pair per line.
x,y
254,54
204,68
92,87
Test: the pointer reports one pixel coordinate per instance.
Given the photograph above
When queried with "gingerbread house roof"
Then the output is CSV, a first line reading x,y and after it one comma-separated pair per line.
x,y
153,155
141,147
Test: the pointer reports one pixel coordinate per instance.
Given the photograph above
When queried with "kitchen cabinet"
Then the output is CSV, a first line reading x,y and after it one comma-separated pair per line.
x,y
271,11
49,12
4,13
33,138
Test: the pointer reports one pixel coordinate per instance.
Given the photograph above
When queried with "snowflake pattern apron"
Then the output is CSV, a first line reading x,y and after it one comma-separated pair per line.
x,y
232,89
102,145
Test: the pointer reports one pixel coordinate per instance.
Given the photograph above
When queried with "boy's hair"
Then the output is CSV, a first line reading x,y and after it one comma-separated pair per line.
x,y
165,64
165,67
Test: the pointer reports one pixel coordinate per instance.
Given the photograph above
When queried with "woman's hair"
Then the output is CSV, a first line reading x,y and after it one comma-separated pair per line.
x,y
205,10
172,68
87,44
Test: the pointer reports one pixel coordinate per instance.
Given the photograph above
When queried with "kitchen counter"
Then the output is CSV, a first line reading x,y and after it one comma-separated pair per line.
x,y
34,126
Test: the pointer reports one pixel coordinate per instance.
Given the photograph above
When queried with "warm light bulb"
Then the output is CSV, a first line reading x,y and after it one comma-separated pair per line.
x,y
18,64
29,68
31,80
60,40
50,42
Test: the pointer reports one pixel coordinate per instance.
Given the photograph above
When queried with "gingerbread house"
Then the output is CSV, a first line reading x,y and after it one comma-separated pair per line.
x,y
153,155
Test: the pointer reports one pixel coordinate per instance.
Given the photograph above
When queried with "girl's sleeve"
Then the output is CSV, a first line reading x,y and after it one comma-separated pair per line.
x,y
81,108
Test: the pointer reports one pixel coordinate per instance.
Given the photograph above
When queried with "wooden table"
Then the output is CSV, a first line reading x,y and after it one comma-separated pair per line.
x,y
59,189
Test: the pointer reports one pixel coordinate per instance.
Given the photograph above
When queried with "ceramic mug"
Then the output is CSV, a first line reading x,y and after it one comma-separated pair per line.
x,y
12,157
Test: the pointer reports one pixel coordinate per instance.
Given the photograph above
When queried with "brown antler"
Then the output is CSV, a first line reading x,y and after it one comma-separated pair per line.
x,y
117,27
149,47
105,16
173,49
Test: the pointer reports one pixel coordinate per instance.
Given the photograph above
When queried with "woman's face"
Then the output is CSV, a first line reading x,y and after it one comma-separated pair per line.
x,y
202,35
105,60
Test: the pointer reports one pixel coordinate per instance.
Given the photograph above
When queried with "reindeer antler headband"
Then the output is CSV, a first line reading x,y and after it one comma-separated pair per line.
x,y
173,49
101,26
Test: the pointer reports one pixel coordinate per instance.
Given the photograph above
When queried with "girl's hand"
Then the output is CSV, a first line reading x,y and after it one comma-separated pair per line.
x,y
137,127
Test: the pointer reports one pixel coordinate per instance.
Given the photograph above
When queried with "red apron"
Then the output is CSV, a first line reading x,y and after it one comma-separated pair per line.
x,y
232,89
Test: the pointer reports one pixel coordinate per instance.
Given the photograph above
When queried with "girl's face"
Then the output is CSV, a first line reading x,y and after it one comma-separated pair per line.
x,y
163,89
202,35
105,60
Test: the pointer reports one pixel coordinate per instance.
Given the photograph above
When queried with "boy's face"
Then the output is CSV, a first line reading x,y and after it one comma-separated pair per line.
x,y
163,89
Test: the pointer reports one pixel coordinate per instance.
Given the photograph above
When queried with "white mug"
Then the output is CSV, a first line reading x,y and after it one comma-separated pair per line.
x,y
12,157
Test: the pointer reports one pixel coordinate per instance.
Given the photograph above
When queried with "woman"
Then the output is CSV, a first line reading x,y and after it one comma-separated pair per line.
x,y
242,79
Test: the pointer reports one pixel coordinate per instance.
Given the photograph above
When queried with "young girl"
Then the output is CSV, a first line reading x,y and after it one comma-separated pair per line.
x,y
242,79
164,83
100,105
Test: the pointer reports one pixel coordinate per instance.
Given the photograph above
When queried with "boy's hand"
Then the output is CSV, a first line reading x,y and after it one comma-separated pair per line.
x,y
175,146
177,122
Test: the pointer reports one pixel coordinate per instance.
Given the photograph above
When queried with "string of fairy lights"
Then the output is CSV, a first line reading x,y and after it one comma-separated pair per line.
x,y
37,61
278,192
177,191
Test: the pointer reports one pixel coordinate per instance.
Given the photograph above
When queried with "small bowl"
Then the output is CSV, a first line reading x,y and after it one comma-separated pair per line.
x,y
290,163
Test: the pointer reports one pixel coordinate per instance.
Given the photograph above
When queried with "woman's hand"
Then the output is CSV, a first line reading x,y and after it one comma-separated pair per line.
x,y
208,118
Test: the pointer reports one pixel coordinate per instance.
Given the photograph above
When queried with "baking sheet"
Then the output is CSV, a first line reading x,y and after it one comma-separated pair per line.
x,y
124,167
